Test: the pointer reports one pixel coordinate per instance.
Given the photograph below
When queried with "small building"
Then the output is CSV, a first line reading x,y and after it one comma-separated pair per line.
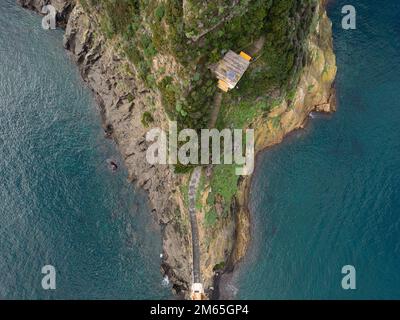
x,y
197,292
231,69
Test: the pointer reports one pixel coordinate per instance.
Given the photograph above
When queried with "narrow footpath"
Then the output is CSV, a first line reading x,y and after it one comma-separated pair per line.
x,y
193,185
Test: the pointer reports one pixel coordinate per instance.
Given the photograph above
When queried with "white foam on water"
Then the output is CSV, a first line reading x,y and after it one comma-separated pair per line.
x,y
165,281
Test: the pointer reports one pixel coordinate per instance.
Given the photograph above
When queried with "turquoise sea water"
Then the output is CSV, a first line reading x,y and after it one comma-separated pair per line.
x,y
329,195
59,203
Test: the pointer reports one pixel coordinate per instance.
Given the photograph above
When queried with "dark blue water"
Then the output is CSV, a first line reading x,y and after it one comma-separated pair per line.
x,y
330,195
59,203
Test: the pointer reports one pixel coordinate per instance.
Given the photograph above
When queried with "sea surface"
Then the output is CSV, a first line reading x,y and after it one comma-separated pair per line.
x,y
60,204
329,196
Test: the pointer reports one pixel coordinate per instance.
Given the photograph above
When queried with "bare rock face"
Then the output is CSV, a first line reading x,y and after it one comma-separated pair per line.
x,y
63,7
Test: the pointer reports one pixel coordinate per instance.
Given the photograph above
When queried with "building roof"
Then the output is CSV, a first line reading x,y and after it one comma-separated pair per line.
x,y
231,68
197,292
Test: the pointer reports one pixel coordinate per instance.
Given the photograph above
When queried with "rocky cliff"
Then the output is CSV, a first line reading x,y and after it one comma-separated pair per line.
x,y
149,61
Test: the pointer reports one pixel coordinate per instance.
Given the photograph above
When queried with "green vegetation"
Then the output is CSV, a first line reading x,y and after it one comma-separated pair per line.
x,y
211,218
182,169
240,115
219,266
147,119
224,182
160,12
200,189
224,185
149,27
162,40
276,122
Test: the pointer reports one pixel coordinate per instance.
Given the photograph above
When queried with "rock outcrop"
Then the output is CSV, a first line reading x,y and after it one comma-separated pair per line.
x,y
63,7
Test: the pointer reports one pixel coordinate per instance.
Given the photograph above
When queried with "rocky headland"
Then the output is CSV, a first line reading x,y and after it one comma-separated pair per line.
x,y
154,67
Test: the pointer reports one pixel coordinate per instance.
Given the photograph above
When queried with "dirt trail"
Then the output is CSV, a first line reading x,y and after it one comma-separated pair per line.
x,y
215,111
256,47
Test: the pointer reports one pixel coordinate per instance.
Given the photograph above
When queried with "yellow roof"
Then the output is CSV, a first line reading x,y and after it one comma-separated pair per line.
x,y
231,68
245,56
223,85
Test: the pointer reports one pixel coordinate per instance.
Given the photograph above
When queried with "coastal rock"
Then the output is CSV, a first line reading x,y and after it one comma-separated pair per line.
x,y
63,7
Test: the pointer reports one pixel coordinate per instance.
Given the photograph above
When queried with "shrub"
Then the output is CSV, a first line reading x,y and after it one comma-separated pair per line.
x,y
211,218
159,12
147,119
